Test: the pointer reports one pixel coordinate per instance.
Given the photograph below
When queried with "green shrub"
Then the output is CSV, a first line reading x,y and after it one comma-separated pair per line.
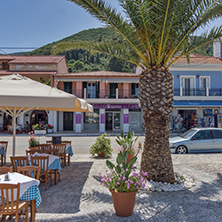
x,y
102,144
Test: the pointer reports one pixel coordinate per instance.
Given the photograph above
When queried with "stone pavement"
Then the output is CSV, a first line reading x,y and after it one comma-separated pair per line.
x,y
80,197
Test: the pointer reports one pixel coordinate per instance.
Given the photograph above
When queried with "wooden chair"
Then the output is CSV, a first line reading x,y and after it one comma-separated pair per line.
x,y
43,163
5,144
9,129
4,170
56,153
18,161
31,152
62,152
67,154
8,207
30,171
44,146
49,141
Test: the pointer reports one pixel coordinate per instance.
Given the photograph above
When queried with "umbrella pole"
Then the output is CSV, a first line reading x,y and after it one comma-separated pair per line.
x,y
14,129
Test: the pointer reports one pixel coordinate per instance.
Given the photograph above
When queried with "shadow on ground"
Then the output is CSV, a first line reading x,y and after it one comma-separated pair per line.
x,y
65,196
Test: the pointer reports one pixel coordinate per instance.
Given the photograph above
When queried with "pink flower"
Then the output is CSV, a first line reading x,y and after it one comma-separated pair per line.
x,y
124,178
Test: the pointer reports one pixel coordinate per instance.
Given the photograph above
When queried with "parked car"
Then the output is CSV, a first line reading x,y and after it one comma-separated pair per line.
x,y
197,139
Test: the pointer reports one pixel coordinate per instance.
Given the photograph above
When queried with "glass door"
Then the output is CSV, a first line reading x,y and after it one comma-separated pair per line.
x,y
116,122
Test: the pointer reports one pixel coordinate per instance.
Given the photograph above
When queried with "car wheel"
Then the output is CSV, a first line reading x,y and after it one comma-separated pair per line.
x,y
181,150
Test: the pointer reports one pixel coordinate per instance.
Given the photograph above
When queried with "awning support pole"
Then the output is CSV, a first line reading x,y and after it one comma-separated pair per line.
x,y
14,129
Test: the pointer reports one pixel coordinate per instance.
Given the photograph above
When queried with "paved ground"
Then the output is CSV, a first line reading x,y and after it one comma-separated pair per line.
x,y
80,197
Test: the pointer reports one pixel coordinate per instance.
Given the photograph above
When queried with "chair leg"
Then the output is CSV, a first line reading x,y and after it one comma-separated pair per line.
x,y
65,159
5,160
46,178
50,174
27,213
16,217
69,159
1,160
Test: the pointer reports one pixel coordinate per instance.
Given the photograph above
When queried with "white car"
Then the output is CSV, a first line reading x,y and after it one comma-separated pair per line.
x,y
197,139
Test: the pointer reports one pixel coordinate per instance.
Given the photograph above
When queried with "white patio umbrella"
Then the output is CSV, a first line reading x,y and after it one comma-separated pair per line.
x,y
19,94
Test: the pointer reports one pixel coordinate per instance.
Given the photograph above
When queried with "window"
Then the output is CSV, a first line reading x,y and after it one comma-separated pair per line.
x,y
204,82
217,134
188,85
135,89
203,135
68,87
92,89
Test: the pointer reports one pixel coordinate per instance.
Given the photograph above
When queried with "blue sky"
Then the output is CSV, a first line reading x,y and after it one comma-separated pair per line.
x,y
31,23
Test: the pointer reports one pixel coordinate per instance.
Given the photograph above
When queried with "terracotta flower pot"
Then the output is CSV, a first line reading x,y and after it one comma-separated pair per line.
x,y
124,202
101,154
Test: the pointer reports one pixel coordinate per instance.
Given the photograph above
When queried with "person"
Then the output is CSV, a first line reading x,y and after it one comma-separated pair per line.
x,y
27,125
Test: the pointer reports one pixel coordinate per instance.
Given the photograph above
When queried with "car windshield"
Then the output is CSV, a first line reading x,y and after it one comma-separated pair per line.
x,y
188,134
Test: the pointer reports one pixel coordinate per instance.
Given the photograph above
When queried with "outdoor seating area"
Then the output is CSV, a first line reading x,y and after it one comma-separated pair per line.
x,y
24,173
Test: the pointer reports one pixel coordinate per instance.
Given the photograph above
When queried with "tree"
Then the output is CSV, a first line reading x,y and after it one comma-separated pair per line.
x,y
155,34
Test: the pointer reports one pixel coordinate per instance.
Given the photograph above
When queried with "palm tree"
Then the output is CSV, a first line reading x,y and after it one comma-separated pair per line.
x,y
155,34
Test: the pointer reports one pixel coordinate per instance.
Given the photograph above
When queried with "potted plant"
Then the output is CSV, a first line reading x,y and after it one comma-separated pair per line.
x,y
33,142
39,129
127,144
123,183
49,128
102,146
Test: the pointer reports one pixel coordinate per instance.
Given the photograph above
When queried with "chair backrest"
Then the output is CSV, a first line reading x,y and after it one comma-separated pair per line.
x,y
61,147
30,171
9,190
41,161
5,144
4,170
30,152
67,142
45,146
18,161
49,141
52,152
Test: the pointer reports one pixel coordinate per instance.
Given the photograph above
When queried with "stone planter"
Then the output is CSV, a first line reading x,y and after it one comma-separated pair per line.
x,y
39,132
49,130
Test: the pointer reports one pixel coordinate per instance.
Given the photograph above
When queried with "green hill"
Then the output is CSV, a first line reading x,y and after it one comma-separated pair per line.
x,y
81,60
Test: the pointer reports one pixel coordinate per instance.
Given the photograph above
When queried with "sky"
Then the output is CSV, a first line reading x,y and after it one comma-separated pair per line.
x,y
31,23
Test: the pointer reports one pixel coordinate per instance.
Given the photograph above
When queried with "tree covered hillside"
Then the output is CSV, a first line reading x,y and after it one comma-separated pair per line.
x,y
81,60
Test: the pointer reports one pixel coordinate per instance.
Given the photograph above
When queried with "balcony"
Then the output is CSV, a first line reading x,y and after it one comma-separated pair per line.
x,y
106,94
198,92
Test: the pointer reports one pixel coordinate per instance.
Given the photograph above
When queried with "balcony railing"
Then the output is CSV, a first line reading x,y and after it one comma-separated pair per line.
x,y
127,94
198,92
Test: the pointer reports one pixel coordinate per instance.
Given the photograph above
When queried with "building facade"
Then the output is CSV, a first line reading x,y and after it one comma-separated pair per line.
x,y
114,95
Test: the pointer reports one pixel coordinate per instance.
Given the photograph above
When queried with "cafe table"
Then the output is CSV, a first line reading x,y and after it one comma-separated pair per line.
x,y
29,190
2,153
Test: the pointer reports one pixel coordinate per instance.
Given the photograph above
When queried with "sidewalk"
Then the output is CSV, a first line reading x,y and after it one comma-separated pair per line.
x,y
80,197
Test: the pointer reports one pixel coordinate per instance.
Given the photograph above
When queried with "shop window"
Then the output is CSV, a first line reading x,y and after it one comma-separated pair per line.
x,y
217,134
91,120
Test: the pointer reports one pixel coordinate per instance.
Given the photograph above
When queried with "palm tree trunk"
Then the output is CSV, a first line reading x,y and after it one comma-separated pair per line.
x,y
156,98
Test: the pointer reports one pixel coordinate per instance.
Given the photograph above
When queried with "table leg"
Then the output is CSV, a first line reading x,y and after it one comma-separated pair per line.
x,y
56,176
1,159
33,204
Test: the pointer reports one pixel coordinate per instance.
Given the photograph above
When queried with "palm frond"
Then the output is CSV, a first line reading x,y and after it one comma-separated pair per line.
x,y
118,50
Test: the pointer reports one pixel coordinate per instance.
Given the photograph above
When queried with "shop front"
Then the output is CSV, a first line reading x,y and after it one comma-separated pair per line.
x,y
117,117
190,114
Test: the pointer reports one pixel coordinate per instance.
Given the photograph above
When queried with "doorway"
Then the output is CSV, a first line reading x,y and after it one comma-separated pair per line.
x,y
113,121
68,121
109,121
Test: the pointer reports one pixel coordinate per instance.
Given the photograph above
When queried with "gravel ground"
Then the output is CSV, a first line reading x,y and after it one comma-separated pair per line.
x,y
80,197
